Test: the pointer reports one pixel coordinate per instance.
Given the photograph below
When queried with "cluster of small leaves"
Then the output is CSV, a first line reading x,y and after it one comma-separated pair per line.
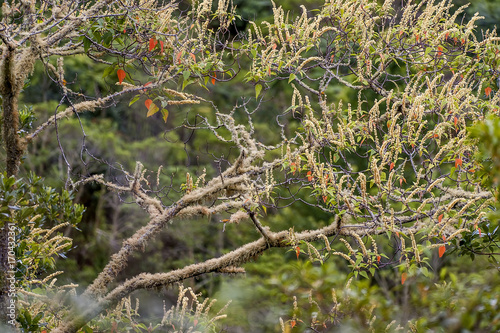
x,y
484,239
38,214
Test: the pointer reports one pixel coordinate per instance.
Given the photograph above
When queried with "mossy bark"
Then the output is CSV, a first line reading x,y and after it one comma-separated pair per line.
x,y
10,90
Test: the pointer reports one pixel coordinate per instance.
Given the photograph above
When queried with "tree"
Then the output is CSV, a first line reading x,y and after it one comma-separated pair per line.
x,y
395,161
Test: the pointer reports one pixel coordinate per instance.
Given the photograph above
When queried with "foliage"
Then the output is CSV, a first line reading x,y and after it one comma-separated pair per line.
x,y
384,160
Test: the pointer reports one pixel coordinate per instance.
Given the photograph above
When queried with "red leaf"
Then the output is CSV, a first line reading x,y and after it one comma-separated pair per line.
x,y
378,259
463,41
195,322
193,56
147,84
456,121
403,277
440,51
293,323
309,176
446,36
152,43
178,57
161,45
297,251
274,46
458,161
324,198
121,75
442,248
440,218
487,91
391,166
293,167
479,230
148,103
400,182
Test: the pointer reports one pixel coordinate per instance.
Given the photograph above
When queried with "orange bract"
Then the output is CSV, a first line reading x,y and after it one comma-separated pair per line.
x,y
442,249
152,43
403,277
487,91
121,75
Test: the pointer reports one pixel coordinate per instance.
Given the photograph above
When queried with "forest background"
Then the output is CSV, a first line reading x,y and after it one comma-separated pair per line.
x,y
456,293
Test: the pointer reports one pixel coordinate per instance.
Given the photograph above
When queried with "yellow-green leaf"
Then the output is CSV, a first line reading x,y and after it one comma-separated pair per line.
x,y
164,112
152,110
258,89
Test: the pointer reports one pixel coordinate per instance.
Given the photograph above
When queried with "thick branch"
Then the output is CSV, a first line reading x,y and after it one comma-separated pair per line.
x,y
234,258
119,260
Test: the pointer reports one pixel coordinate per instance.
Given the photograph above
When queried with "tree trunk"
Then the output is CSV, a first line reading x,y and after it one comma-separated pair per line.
x,y
10,90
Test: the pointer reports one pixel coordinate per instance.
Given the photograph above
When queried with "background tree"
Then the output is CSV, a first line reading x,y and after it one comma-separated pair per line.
x,y
385,164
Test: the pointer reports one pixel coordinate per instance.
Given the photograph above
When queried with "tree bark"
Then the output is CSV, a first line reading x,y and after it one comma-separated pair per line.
x,y
10,90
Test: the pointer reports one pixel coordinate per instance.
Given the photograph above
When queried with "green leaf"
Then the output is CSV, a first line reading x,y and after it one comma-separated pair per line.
x,y
86,44
108,71
291,78
258,89
135,99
